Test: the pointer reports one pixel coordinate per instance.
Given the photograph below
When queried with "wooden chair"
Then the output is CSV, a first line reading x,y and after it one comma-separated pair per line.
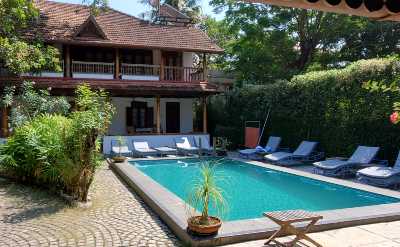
x,y
285,219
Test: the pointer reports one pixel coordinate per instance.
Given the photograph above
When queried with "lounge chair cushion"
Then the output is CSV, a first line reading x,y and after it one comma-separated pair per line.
x,y
379,172
141,145
330,164
305,148
185,144
122,150
247,151
277,156
189,148
364,155
145,150
166,149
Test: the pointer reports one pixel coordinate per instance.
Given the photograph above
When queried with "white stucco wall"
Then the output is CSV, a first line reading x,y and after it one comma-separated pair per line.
x,y
118,125
154,140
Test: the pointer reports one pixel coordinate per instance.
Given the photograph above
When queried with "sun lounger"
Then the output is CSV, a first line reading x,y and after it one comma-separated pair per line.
x,y
116,149
335,167
142,149
305,152
381,175
185,147
286,221
204,146
271,147
166,151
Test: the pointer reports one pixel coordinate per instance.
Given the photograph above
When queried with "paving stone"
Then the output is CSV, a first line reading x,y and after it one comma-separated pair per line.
x,y
118,217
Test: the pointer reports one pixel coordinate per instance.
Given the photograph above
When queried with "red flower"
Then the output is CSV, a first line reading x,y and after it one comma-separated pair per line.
x,y
394,118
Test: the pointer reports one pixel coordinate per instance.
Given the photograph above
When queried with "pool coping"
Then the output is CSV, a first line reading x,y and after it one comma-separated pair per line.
x,y
172,210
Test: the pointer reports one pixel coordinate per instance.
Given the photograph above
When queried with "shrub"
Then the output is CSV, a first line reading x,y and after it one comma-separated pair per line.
x,y
36,151
328,106
57,151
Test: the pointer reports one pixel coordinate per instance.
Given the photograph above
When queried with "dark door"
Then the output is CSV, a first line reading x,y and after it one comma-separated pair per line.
x,y
173,117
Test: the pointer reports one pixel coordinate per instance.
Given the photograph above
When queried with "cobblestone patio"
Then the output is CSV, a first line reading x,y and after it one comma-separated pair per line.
x,y
31,217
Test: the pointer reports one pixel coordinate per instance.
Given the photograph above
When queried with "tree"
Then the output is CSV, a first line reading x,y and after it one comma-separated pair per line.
x,y
191,8
266,43
21,54
17,53
28,103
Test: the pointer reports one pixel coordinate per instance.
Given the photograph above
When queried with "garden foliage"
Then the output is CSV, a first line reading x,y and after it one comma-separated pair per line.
x,y
330,106
60,152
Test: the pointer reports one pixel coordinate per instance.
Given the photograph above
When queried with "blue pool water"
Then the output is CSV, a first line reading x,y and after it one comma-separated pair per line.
x,y
251,190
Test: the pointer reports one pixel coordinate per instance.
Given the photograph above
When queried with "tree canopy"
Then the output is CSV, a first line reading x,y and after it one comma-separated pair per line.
x,y
264,43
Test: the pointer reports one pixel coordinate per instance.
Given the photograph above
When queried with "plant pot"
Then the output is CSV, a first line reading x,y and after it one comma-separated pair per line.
x,y
204,230
119,159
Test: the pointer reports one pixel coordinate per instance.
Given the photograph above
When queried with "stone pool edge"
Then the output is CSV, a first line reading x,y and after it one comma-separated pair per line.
x,y
171,209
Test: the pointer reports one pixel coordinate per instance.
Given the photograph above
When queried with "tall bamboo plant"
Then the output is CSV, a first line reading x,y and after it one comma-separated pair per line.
x,y
206,194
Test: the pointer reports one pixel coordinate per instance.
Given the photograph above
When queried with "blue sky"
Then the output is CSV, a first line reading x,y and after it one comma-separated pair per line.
x,y
134,7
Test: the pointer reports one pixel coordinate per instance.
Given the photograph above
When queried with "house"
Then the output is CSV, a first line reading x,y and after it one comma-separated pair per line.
x,y
149,69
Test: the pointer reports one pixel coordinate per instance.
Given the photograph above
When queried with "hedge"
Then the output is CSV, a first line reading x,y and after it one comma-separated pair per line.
x,y
328,106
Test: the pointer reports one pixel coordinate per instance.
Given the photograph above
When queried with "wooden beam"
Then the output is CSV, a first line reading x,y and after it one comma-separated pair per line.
x,y
158,114
67,61
4,122
205,71
204,101
162,67
116,65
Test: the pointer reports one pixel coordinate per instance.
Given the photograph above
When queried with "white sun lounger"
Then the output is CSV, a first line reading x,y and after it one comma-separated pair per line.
x,y
166,151
185,147
204,146
271,147
334,167
382,176
304,152
119,150
142,149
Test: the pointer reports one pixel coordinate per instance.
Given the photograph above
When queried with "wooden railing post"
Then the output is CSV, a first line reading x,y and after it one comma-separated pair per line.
x,y
67,61
205,72
117,65
161,72
158,114
204,99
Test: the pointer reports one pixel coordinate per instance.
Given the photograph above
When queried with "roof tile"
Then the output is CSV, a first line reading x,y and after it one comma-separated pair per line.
x,y
59,22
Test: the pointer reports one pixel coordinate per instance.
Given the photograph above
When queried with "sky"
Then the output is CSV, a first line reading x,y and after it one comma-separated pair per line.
x,y
134,7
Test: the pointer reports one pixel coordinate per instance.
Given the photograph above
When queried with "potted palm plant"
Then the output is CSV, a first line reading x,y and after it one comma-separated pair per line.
x,y
205,195
119,158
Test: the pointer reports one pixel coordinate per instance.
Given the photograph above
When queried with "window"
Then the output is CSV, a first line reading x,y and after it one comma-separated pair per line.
x,y
139,116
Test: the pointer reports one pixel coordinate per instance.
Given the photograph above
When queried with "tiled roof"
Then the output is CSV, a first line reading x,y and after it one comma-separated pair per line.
x,y
58,22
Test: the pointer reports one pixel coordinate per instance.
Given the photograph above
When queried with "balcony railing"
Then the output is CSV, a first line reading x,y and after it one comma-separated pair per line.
x,y
186,74
140,69
142,72
163,73
92,67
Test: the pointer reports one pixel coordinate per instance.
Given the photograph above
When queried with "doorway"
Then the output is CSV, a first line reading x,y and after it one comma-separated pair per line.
x,y
173,119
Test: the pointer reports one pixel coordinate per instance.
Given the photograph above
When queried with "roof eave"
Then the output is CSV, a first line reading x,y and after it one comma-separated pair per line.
x,y
108,43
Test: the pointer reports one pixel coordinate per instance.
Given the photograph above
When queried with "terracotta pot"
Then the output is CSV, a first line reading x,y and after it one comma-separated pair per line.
x,y
119,159
204,230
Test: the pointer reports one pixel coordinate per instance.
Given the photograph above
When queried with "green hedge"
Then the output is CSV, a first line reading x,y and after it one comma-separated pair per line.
x,y
327,106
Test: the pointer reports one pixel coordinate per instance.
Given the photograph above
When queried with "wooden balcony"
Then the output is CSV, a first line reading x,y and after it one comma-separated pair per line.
x,y
132,72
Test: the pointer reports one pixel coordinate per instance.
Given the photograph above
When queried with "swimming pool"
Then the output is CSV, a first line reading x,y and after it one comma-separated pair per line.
x,y
251,190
